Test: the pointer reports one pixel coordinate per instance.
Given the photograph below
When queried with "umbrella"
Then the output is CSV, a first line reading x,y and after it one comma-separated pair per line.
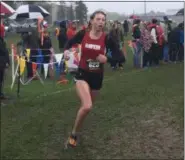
x,y
5,9
134,17
180,12
30,11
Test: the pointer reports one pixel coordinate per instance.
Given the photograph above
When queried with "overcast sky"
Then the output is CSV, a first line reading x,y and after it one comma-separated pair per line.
x,y
136,7
129,6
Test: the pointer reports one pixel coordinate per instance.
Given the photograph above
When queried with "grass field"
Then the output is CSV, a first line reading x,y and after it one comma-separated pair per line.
x,y
139,115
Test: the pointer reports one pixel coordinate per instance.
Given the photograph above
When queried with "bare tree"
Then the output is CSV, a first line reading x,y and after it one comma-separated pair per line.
x,y
81,11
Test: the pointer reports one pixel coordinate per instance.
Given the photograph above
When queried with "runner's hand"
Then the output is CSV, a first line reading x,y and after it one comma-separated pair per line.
x,y
101,58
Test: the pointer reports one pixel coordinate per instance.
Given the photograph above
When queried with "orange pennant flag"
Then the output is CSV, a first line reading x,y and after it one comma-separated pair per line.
x,y
34,68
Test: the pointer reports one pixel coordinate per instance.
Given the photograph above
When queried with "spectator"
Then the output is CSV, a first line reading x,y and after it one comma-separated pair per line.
x,y
155,45
160,39
47,45
71,31
146,41
136,43
165,56
4,60
126,27
2,28
181,51
32,42
62,37
118,37
175,42
168,27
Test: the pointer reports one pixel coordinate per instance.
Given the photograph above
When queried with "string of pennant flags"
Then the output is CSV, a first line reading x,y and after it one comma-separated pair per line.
x,y
55,60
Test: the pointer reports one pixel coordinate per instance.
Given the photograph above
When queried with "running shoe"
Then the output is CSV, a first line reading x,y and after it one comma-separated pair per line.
x,y
71,142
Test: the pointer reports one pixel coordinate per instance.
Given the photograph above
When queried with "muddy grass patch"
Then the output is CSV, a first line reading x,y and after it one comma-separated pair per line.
x,y
156,136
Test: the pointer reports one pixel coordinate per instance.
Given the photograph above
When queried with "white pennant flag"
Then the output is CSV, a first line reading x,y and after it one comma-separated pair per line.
x,y
58,58
46,70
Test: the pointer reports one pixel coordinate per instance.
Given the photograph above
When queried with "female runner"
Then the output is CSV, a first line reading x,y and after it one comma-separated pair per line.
x,y
89,77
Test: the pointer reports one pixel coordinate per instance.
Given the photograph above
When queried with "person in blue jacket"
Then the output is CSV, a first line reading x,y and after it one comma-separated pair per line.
x,y
181,45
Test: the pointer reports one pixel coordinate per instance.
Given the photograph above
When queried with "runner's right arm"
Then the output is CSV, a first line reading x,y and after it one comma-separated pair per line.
x,y
77,39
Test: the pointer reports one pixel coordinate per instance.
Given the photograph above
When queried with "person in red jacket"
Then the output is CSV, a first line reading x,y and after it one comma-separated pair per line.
x,y
161,40
89,77
83,27
71,31
157,47
2,29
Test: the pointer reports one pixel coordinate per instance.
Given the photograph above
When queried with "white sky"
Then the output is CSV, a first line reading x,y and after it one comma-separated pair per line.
x,y
136,7
129,7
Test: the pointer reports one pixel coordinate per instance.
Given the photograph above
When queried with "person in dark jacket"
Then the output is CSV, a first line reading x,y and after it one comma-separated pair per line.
x,y
4,63
32,42
125,27
181,47
62,37
117,35
174,44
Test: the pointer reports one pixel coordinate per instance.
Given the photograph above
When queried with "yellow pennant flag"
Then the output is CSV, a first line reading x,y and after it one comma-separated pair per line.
x,y
66,66
22,64
28,54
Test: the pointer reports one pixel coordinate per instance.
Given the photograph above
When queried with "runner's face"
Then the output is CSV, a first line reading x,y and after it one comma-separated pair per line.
x,y
98,22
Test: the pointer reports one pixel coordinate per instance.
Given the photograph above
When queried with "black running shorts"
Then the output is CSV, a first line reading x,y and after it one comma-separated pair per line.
x,y
94,80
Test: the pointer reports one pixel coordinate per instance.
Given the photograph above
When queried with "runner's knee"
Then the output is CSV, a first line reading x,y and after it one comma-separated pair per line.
x,y
87,107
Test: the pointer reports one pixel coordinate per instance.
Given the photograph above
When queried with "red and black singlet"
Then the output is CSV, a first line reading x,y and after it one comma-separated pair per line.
x,y
91,48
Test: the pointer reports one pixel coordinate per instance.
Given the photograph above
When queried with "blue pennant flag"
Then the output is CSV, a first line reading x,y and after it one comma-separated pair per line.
x,y
40,58
57,69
